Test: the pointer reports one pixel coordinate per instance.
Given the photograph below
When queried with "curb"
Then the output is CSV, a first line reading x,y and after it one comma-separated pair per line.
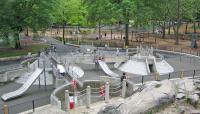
x,y
15,58
75,45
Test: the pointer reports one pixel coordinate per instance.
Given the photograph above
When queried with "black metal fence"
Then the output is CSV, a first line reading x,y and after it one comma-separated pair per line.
x,y
173,75
27,105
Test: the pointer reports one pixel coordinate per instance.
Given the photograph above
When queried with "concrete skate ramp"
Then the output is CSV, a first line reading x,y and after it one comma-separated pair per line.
x,y
24,87
106,69
134,67
163,67
75,72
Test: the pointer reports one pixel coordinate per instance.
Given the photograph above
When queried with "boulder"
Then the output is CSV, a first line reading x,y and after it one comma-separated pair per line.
x,y
185,85
193,98
181,109
154,94
151,96
110,109
180,96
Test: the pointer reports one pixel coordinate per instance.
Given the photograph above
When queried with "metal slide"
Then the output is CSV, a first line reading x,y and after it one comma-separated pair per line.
x,y
76,73
24,87
106,69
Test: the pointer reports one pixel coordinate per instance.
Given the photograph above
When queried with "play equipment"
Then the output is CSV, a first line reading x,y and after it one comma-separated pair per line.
x,y
164,68
106,69
75,73
23,88
134,67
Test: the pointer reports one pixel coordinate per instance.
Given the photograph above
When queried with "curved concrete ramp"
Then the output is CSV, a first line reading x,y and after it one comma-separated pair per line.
x,y
24,87
76,73
164,68
106,69
134,67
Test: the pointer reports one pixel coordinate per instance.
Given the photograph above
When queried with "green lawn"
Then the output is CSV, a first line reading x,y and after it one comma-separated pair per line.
x,y
10,52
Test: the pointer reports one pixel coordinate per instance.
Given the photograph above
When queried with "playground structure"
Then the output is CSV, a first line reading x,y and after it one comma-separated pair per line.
x,y
25,86
86,71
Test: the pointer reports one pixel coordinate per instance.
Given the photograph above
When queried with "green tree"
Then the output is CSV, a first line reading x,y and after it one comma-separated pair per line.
x,y
99,12
16,15
124,12
71,12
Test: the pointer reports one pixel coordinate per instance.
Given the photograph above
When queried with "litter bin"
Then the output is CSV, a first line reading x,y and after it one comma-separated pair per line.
x,y
71,104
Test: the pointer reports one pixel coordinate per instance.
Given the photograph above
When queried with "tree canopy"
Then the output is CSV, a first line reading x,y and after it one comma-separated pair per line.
x,y
17,15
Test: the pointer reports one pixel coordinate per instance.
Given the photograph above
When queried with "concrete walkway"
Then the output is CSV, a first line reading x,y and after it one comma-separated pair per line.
x,y
94,109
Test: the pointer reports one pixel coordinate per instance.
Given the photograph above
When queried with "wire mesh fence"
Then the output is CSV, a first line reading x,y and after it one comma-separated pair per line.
x,y
81,98
173,75
115,90
97,94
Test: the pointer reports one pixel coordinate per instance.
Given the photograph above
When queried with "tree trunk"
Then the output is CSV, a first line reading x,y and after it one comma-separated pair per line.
x,y
194,27
169,29
163,29
57,28
51,30
186,28
121,32
178,24
177,34
111,33
153,27
27,34
131,36
6,37
163,36
63,35
99,30
17,42
127,35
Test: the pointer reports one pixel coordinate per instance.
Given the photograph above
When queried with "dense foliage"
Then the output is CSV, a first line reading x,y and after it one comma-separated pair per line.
x,y
18,15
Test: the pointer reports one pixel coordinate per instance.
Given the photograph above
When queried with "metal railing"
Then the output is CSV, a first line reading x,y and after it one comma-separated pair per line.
x,y
177,74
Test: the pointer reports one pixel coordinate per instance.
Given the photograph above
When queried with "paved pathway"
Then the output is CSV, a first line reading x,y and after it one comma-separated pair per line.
x,y
60,48
40,96
34,92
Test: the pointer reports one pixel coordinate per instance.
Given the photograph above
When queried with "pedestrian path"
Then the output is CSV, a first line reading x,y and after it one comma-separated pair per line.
x,y
94,108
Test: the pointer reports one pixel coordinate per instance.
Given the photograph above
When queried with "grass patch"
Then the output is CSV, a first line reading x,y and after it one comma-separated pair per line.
x,y
11,52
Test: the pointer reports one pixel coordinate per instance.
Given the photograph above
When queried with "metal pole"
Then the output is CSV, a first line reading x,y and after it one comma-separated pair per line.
x,y
67,99
169,76
142,79
38,67
33,103
44,69
194,74
39,81
124,88
107,92
88,97
38,62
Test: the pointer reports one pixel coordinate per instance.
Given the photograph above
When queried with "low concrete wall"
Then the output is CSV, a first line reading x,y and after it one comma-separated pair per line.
x,y
16,57
55,101
58,95
11,75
